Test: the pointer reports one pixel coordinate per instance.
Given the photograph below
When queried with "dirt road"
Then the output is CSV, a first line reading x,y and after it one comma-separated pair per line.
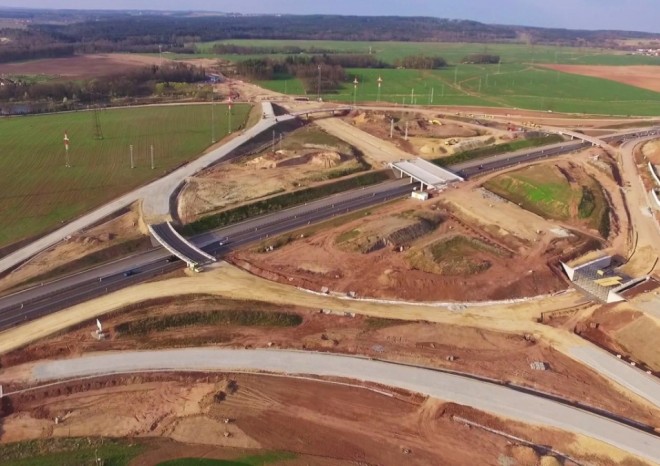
x,y
377,151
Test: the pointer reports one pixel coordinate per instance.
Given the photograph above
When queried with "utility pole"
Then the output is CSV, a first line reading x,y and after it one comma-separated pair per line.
x,y
406,138
229,107
212,117
391,128
412,96
355,85
380,81
431,99
66,151
318,88
152,157
132,161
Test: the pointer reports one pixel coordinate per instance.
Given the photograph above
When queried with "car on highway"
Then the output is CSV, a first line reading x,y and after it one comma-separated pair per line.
x,y
129,273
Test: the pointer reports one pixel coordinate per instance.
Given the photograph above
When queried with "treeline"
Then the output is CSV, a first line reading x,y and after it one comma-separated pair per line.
x,y
306,68
420,62
313,27
481,59
118,31
25,45
314,74
233,49
136,83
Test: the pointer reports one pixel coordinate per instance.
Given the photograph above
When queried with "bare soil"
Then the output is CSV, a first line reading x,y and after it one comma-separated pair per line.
x,y
268,173
520,247
80,67
624,330
499,355
646,77
651,151
428,135
307,417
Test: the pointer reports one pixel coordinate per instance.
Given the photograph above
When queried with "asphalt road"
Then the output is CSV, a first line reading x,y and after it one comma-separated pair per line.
x,y
41,299
492,398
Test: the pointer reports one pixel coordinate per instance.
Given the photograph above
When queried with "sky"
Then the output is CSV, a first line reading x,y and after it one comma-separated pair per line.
x,y
634,15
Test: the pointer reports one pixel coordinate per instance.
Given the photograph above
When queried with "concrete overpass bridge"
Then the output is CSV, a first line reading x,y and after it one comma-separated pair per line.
x,y
171,240
330,110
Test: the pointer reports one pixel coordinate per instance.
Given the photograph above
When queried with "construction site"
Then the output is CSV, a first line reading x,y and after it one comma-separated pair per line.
x,y
501,278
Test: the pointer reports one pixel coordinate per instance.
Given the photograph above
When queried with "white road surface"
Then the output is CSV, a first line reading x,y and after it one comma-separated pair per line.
x,y
491,398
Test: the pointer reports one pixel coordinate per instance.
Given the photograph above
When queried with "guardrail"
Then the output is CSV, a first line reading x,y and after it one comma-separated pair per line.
x,y
182,239
654,174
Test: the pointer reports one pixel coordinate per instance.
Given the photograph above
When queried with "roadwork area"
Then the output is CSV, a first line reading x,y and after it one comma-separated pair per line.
x,y
494,399
212,413
230,282
206,320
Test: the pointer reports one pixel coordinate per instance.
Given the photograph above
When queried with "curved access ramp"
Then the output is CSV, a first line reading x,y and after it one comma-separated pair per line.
x,y
497,399
171,240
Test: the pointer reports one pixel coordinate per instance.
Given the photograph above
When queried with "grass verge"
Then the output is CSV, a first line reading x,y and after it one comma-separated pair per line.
x,y
283,201
68,452
224,317
255,460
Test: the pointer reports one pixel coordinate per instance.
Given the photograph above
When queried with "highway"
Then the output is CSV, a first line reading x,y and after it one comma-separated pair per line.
x,y
493,398
40,300
50,297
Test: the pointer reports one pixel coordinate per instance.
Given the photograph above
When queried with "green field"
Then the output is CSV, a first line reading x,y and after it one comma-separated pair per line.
x,y
452,52
514,86
256,460
68,452
518,82
39,192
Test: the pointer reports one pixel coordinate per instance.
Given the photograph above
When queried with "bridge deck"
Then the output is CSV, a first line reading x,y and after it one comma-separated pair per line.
x,y
168,237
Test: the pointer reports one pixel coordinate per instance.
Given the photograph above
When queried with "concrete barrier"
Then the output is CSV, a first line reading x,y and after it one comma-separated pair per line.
x,y
654,174
654,195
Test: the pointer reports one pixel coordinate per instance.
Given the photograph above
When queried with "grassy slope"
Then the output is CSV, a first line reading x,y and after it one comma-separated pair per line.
x,y
256,460
38,192
538,189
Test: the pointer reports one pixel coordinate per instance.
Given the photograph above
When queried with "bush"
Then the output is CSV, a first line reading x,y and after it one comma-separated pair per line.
x,y
483,152
225,317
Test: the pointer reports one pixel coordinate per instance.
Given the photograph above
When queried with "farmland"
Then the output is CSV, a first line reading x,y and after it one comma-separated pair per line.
x,y
510,85
39,192
452,52
520,80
